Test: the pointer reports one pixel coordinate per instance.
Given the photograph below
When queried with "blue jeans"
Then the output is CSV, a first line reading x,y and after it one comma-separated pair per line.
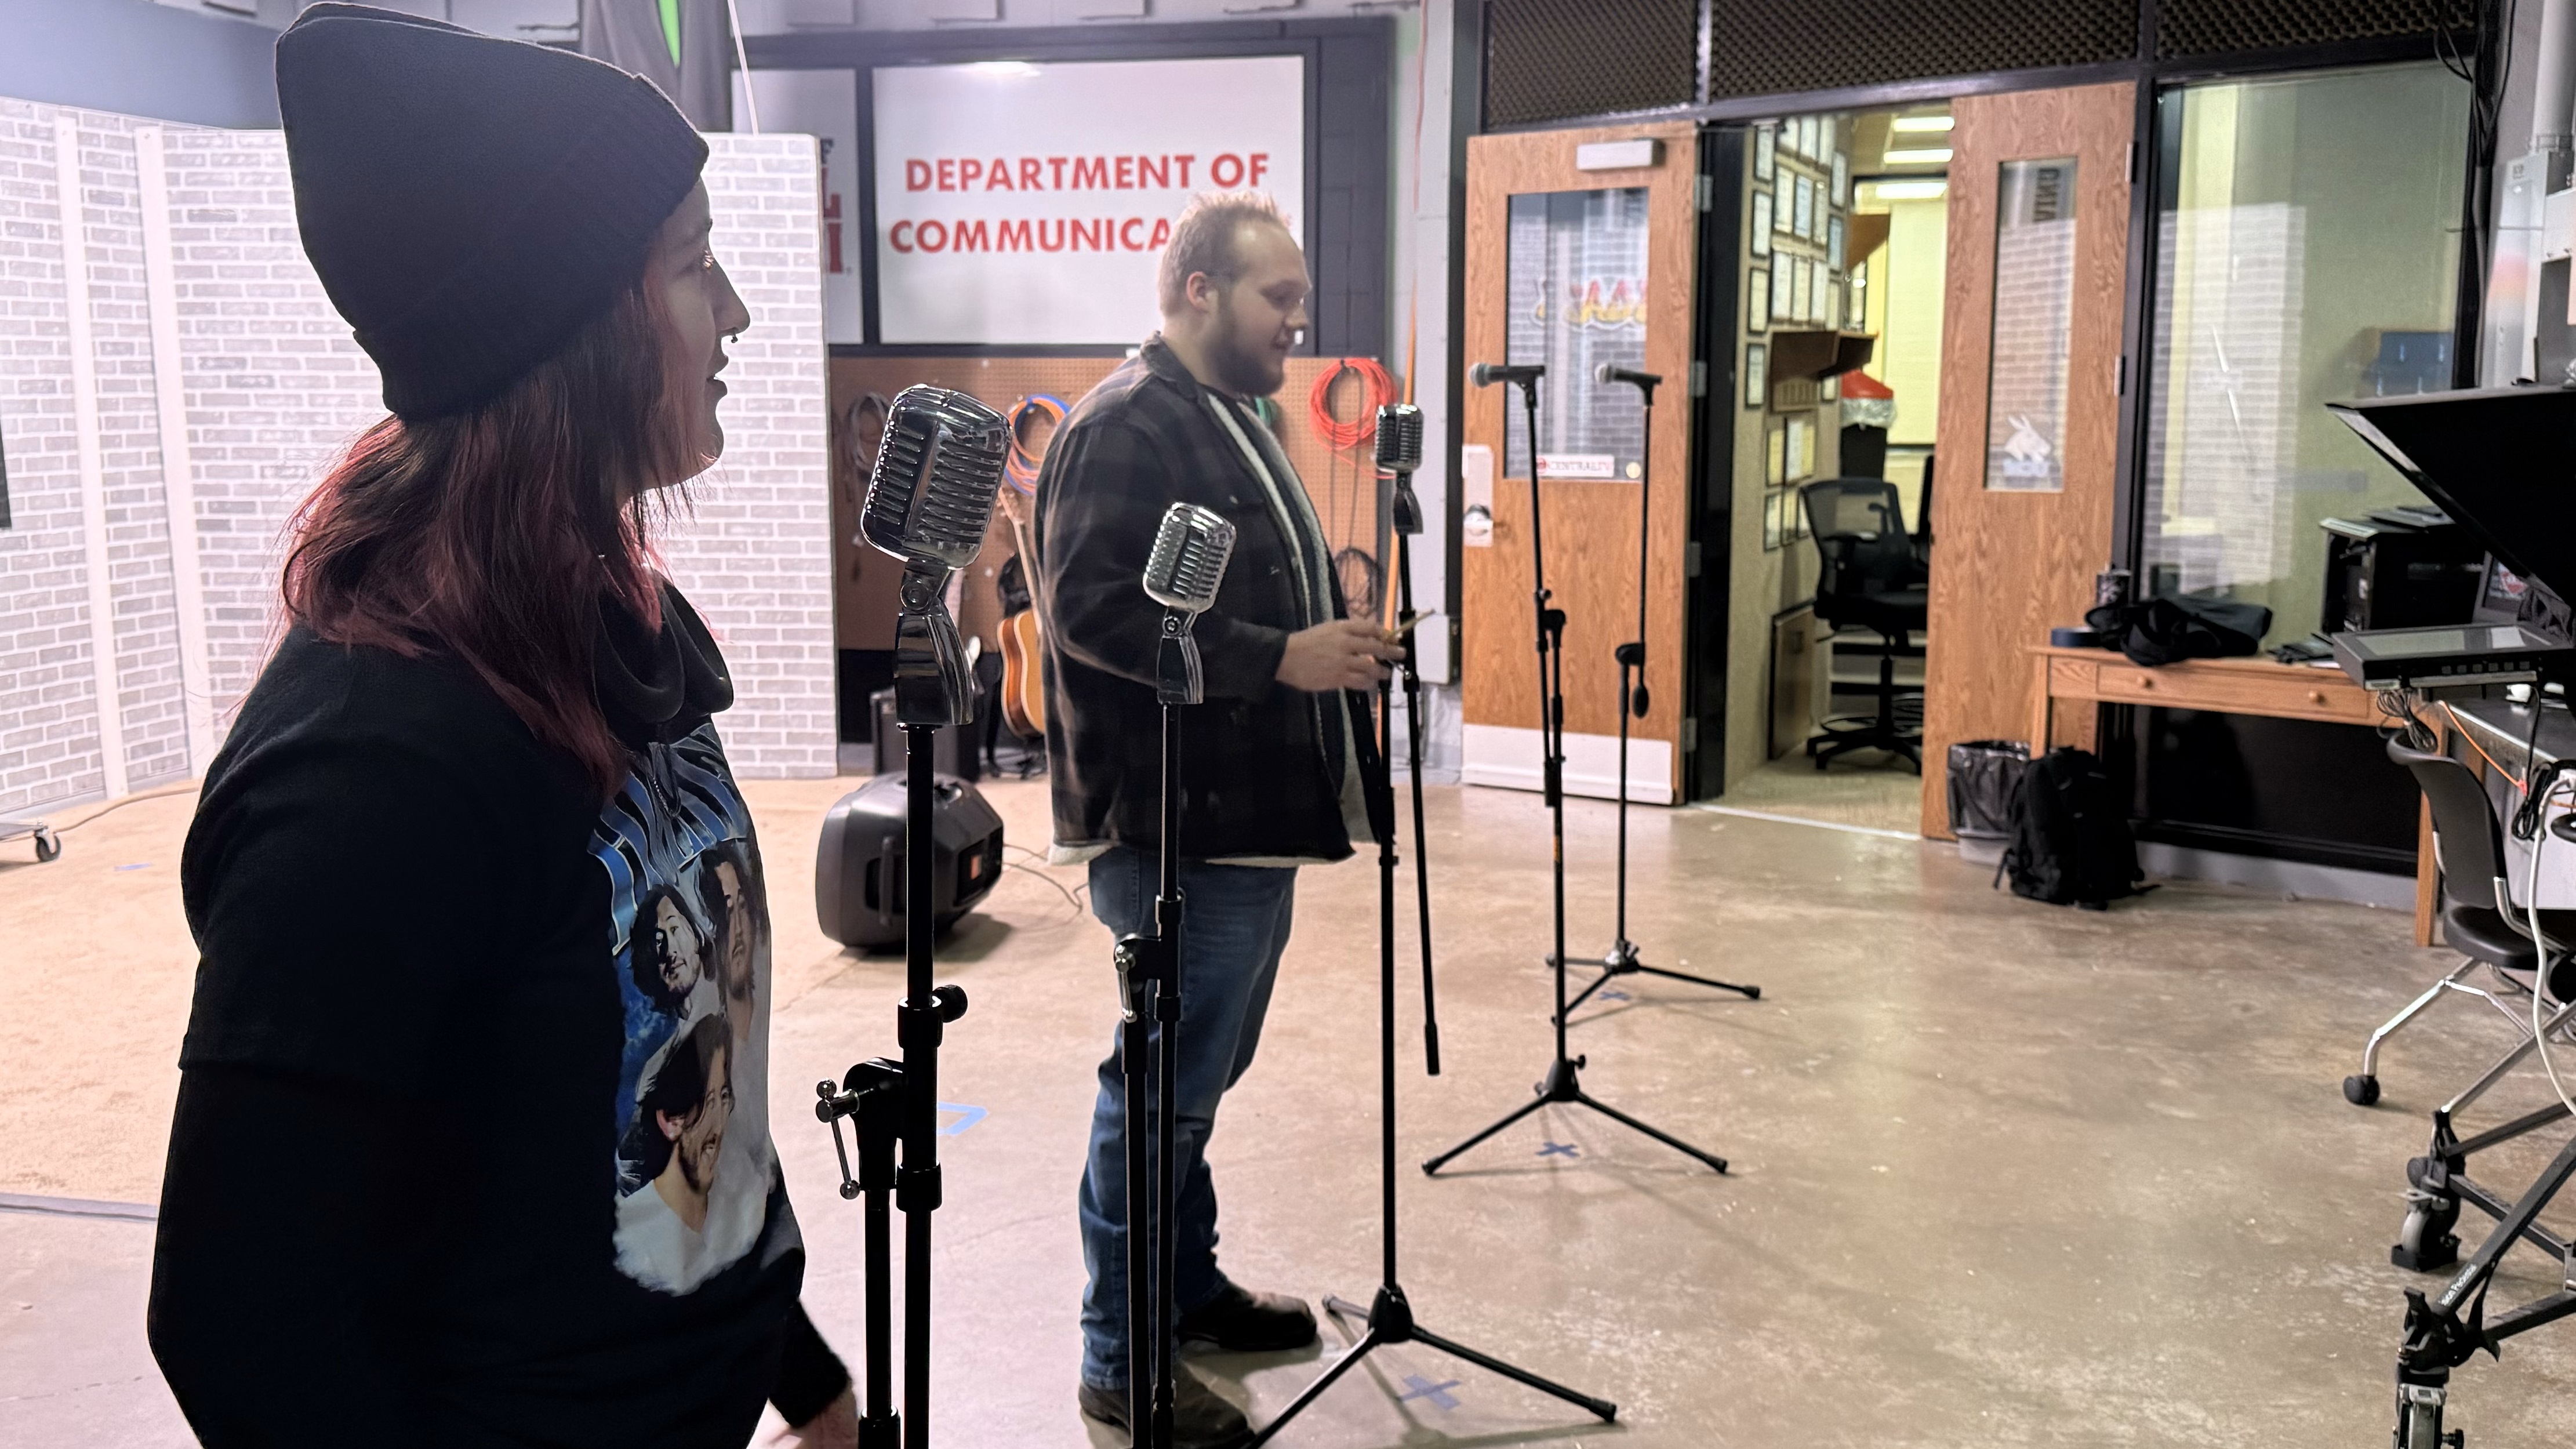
x,y
1235,927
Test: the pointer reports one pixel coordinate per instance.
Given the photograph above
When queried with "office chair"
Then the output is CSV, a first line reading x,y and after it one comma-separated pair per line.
x,y
2481,921
1872,580
2479,917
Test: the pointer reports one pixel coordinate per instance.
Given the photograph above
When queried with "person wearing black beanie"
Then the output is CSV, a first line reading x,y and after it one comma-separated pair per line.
x,y
472,1140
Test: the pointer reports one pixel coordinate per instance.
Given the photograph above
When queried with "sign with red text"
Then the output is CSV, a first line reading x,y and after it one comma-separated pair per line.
x,y
1028,204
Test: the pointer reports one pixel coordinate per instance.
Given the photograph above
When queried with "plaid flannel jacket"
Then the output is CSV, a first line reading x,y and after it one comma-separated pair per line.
x,y
1260,776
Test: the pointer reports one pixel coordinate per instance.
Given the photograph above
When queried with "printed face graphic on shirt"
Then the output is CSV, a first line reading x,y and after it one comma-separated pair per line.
x,y
690,1101
677,957
690,942
733,891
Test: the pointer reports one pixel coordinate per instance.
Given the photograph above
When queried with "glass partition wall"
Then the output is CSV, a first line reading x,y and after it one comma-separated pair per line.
x,y
2307,253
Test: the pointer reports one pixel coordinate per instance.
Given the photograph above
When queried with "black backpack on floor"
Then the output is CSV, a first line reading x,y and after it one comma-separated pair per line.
x,y
2070,835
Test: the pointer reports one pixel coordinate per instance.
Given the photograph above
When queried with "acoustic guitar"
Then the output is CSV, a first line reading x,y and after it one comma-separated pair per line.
x,y
1023,637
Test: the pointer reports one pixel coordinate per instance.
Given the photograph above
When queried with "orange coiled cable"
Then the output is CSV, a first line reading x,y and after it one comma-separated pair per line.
x,y
1021,467
1378,387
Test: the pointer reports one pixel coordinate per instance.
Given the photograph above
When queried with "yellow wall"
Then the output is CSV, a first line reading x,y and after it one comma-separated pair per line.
x,y
1906,277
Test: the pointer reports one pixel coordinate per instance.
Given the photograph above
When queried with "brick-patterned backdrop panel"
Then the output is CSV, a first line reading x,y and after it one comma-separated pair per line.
x,y
50,746
755,555
274,389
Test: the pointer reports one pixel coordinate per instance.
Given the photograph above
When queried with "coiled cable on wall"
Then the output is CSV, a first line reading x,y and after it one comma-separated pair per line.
x,y
1378,390
1020,469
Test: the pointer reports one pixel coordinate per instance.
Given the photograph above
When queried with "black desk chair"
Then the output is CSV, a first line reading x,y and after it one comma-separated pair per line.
x,y
2479,917
1872,580
2481,921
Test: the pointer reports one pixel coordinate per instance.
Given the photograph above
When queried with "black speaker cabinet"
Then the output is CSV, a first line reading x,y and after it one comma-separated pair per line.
x,y
859,868
953,749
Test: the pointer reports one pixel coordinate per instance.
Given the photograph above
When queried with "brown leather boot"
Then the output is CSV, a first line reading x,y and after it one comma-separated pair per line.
x,y
1201,1418
1240,1321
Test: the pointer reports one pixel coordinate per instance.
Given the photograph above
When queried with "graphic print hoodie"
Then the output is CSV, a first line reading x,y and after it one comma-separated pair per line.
x,y
473,1137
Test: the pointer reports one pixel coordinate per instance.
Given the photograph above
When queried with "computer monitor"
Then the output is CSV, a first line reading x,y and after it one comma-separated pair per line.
x,y
2501,461
2500,593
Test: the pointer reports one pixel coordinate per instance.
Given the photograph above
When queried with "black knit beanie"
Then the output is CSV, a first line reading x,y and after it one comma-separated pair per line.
x,y
470,202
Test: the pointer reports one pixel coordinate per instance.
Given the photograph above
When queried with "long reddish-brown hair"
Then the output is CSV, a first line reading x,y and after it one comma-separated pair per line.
x,y
497,534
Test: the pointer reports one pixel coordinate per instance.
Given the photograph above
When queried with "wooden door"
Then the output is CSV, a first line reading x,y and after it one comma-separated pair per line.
x,y
1590,525
2022,519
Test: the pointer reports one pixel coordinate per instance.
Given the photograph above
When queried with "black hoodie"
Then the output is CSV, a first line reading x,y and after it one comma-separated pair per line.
x,y
472,1140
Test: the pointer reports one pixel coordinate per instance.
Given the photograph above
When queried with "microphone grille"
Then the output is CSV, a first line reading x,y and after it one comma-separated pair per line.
x,y
1601,374
1191,550
1399,438
931,496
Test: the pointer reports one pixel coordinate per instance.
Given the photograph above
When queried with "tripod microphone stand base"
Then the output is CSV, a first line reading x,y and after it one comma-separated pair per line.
x,y
1564,1085
1390,1321
1621,960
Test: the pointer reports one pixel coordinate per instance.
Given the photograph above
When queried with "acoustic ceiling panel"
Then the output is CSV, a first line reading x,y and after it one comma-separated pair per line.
x,y
1764,47
1548,60
2187,28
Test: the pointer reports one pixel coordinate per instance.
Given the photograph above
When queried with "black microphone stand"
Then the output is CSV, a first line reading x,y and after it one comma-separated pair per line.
x,y
1390,1315
1149,983
1621,959
1563,1083
932,692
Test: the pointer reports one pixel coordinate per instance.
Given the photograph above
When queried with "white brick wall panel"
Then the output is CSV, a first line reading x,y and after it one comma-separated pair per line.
x,y
274,389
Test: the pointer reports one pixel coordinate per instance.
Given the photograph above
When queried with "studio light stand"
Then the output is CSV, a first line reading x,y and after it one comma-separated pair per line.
x,y
1390,1315
929,502
1563,1084
1621,959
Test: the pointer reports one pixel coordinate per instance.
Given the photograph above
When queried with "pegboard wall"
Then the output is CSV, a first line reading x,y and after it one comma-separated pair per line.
x,y
1341,482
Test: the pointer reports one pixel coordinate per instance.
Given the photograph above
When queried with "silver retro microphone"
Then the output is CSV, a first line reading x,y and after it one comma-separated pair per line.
x,y
1191,549
929,502
1399,451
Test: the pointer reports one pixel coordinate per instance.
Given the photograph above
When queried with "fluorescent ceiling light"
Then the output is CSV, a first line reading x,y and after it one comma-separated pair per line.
x,y
1926,156
1909,190
1920,123
1002,67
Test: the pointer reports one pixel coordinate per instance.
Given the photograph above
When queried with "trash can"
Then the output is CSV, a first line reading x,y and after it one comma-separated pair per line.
x,y
1983,776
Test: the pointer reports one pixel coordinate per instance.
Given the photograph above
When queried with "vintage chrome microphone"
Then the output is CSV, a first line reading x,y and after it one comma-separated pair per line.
x,y
928,504
1390,1314
1182,574
1191,550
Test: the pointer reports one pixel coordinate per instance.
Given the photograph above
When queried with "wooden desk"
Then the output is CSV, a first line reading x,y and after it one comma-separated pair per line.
x,y
2227,686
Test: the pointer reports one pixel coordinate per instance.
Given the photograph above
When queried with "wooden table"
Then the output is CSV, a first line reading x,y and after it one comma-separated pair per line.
x,y
2227,686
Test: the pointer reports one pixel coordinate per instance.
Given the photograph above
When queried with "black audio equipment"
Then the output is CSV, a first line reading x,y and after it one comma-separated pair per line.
x,y
1389,1315
859,868
1563,1083
1622,959
1182,573
929,501
2399,568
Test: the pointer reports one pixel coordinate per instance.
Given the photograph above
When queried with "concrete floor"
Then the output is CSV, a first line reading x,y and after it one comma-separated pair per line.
x,y
1868,788
2003,1174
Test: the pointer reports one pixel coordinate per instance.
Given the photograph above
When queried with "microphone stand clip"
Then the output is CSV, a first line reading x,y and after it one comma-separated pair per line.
x,y
931,687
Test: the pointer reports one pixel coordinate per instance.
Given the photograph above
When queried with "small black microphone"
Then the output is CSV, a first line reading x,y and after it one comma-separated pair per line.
x,y
1610,372
1486,374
